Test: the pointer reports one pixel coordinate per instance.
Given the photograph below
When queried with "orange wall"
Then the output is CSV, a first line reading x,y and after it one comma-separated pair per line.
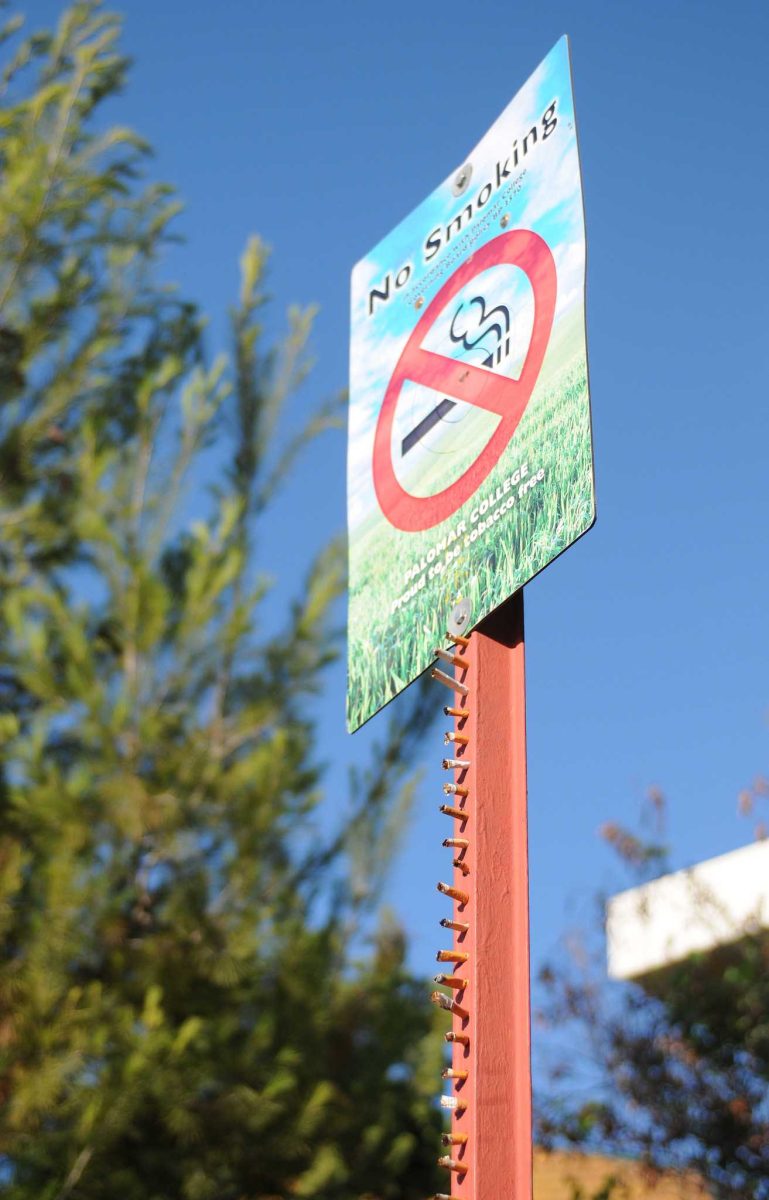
x,y
556,1174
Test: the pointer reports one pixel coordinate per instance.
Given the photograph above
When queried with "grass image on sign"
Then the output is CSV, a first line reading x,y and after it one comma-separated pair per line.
x,y
469,460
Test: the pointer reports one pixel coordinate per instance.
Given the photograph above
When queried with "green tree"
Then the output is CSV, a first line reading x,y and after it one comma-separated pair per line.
x,y
673,1071
185,1008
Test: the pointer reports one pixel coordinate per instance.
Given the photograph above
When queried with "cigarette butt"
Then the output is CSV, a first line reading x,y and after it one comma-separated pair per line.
x,y
454,684
460,926
458,764
461,1038
455,659
459,813
449,1004
461,713
455,789
457,843
454,1139
452,1164
458,640
443,1196
450,1073
453,1103
460,738
452,981
460,897
451,956
462,866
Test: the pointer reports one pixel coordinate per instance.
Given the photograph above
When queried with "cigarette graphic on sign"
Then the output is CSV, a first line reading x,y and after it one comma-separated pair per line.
x,y
493,342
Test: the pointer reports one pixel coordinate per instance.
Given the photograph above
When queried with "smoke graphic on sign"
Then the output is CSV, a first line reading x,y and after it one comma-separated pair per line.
x,y
489,335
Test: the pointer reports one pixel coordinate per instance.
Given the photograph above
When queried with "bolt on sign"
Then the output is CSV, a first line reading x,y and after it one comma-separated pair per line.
x,y
470,460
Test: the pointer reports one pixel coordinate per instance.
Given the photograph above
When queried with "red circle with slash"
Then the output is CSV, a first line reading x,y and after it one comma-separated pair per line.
x,y
505,397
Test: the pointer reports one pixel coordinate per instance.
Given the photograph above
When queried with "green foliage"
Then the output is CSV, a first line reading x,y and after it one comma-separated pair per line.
x,y
674,1073
181,1011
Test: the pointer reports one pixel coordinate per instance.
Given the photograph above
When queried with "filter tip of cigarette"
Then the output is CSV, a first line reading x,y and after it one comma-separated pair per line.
x,y
452,1164
454,684
455,981
455,893
460,926
454,1139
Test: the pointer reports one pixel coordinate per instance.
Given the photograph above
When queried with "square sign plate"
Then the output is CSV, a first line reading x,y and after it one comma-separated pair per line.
x,y
470,461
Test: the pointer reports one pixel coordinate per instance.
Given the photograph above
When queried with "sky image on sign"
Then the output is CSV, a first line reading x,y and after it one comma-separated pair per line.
x,y
470,458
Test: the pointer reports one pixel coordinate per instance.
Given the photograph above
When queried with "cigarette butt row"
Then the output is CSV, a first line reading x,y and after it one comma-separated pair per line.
x,y
454,1140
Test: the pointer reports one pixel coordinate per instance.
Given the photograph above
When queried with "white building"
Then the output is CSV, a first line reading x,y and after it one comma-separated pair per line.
x,y
713,904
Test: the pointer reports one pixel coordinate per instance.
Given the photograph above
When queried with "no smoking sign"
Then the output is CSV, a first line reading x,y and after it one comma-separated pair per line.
x,y
506,398
470,459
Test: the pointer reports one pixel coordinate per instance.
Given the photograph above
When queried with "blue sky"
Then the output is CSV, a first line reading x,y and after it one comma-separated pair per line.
x,y
320,127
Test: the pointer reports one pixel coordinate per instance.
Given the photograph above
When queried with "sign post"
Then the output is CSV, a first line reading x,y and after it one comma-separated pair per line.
x,y
470,470
495,1050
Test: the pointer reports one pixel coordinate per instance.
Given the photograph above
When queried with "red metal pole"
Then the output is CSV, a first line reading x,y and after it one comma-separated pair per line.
x,y
497,1118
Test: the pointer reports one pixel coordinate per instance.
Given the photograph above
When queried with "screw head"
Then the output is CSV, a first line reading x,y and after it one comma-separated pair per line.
x,y
459,621
505,221
462,179
419,302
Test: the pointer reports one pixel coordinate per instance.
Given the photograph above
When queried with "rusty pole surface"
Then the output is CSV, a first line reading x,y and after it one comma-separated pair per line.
x,y
494,1102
